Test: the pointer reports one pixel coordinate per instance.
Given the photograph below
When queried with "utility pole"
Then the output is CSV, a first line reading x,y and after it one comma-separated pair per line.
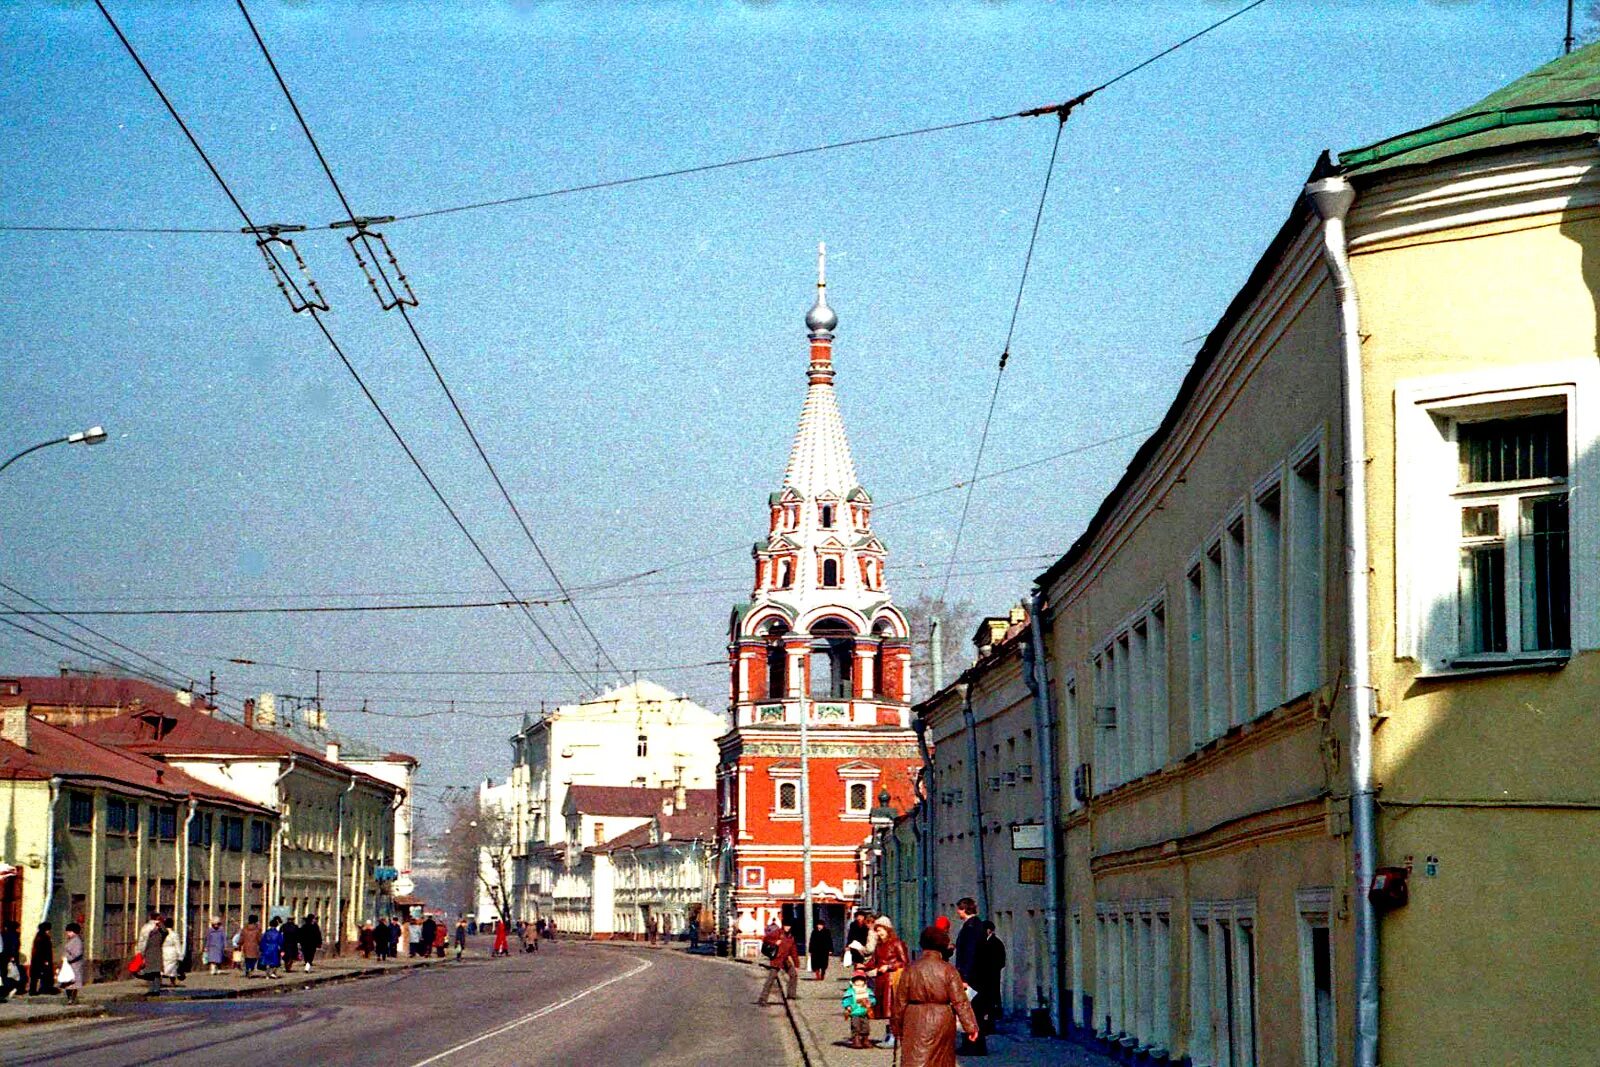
x,y
1568,42
805,811
936,652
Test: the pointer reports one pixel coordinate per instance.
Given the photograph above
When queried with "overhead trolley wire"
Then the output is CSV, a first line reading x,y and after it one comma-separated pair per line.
x,y
416,336
1005,356
1062,112
252,228
465,671
171,671
702,168
725,586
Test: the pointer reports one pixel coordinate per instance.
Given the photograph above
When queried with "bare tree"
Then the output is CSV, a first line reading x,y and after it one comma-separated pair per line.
x,y
957,620
480,845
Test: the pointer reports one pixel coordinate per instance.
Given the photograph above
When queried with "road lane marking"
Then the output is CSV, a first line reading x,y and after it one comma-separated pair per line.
x,y
531,1016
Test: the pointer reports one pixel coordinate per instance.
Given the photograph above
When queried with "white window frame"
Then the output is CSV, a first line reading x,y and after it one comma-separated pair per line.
x,y
1069,715
780,810
1230,1026
1237,619
1305,610
1314,907
1427,513
1130,677
850,808
1236,583
1268,599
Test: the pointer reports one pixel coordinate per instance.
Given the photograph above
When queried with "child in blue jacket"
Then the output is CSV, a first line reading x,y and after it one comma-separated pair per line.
x,y
857,1003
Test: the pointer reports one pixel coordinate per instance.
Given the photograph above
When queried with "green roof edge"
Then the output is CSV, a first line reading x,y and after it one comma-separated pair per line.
x,y
1466,126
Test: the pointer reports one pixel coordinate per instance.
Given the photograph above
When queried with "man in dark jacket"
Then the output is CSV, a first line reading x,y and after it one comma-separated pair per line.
x,y
310,939
991,961
429,928
968,942
291,943
787,961
42,963
820,948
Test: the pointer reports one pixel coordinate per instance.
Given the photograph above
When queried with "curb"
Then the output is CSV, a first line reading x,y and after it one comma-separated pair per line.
x,y
104,1007
799,1038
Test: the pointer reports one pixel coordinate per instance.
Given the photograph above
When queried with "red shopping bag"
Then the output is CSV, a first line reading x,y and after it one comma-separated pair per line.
x,y
136,964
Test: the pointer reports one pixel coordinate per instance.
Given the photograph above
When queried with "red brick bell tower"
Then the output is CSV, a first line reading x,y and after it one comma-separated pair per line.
x,y
819,643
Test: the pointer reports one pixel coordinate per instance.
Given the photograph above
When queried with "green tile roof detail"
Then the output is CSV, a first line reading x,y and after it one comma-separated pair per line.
x,y
1558,101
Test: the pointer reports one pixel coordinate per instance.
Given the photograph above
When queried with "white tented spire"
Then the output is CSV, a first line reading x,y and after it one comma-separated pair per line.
x,y
820,460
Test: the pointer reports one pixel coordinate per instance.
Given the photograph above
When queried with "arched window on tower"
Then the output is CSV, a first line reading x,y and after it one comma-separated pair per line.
x,y
832,657
777,661
827,516
830,573
880,630
785,573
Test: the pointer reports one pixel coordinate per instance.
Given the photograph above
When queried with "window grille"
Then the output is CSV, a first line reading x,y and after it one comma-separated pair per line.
x,y
80,810
1514,584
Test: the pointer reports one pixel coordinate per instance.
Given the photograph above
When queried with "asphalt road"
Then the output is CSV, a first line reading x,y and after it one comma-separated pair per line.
x,y
570,1004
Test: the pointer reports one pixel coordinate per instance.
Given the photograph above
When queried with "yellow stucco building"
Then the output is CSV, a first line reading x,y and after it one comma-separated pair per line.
x,y
101,837
1328,787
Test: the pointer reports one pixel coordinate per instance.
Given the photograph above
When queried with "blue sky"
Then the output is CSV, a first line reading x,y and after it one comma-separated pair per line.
x,y
633,358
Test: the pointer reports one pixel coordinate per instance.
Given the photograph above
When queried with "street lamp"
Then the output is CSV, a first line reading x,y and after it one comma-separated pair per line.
x,y
882,819
94,435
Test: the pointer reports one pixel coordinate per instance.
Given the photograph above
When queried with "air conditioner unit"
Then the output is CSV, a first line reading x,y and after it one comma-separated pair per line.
x,y
994,781
1105,715
1009,777
1081,783
1025,771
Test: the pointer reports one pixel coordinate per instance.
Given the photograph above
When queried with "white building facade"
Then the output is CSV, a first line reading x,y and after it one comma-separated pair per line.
x,y
640,735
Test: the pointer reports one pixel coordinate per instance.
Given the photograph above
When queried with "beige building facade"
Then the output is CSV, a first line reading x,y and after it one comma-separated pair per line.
x,y
1213,703
988,823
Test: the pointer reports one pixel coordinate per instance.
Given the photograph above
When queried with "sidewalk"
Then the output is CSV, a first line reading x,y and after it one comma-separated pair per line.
x,y
97,998
824,1036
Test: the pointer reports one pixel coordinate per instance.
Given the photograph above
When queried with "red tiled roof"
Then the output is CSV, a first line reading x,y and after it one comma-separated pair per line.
x,y
697,819
92,691
181,731
638,837
54,751
629,800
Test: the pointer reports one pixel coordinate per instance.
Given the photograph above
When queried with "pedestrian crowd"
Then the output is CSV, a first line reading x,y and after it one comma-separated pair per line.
x,y
161,958
943,1002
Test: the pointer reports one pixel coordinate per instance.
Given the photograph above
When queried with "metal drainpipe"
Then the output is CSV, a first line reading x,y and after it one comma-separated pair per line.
x,y
1044,732
1331,198
183,876
277,859
926,898
338,875
50,849
977,800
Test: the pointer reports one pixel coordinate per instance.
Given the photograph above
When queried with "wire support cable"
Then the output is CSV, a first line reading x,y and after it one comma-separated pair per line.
x,y
702,168
1005,352
268,250
399,302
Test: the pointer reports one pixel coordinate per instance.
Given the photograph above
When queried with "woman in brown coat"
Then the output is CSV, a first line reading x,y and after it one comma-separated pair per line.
x,y
932,1000
889,957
